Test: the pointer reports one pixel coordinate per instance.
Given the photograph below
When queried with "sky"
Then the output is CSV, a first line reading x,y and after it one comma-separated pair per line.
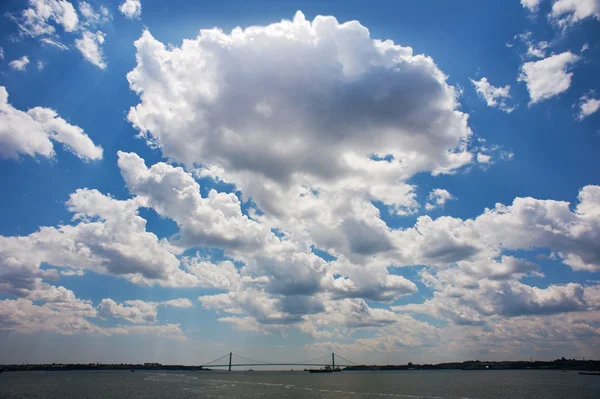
x,y
392,181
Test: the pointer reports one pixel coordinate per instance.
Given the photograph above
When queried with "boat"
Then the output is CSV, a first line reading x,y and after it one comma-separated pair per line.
x,y
133,371
326,369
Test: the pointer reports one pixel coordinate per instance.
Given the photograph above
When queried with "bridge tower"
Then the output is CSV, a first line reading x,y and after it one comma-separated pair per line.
x,y
333,361
230,355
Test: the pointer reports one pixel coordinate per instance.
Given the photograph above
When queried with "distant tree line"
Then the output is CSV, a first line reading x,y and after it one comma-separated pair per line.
x,y
98,366
558,364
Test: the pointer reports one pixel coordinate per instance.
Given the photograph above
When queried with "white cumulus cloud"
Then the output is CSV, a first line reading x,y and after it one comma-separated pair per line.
x,y
133,311
42,16
569,12
548,77
438,198
354,101
322,113
32,132
532,5
131,8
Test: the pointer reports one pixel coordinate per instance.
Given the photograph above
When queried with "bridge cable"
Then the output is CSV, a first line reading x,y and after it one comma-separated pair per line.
x,y
267,363
222,357
313,360
251,360
343,358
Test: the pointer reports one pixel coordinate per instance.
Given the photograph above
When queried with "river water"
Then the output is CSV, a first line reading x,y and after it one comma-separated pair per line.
x,y
452,384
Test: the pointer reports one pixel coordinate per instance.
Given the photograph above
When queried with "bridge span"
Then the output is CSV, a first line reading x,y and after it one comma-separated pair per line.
x,y
322,361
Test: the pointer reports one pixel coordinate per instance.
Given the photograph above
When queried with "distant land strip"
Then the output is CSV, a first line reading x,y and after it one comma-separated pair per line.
x,y
558,364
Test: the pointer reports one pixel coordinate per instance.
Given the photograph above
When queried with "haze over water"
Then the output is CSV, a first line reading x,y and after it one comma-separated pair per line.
x,y
276,384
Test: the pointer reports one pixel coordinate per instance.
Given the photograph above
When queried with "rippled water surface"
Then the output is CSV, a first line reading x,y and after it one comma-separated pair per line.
x,y
271,384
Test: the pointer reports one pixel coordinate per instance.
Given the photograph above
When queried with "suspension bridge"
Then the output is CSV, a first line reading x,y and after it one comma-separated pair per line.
x,y
229,361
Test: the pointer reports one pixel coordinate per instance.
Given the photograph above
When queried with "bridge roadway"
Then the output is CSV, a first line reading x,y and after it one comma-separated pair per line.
x,y
268,364
258,363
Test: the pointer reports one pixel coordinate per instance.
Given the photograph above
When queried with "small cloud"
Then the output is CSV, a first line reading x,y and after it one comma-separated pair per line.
x,y
537,50
19,64
42,16
54,43
531,5
483,158
91,17
587,106
507,155
70,273
177,303
1,53
494,96
585,47
40,65
533,49
90,47
486,156
438,198
131,9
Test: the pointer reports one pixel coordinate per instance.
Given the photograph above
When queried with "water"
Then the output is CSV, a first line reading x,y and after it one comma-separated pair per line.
x,y
270,384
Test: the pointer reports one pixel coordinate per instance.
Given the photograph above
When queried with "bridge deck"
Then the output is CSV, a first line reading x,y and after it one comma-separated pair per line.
x,y
266,364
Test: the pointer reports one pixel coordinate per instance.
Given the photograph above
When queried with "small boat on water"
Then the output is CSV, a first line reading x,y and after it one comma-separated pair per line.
x,y
326,369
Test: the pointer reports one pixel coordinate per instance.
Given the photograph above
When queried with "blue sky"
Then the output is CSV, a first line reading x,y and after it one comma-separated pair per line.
x,y
385,179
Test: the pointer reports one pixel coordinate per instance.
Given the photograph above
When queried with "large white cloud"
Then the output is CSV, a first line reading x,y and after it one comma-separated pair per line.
x,y
133,311
109,237
316,121
213,221
569,12
281,284
32,132
526,224
218,221
315,103
70,318
468,300
549,77
138,311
